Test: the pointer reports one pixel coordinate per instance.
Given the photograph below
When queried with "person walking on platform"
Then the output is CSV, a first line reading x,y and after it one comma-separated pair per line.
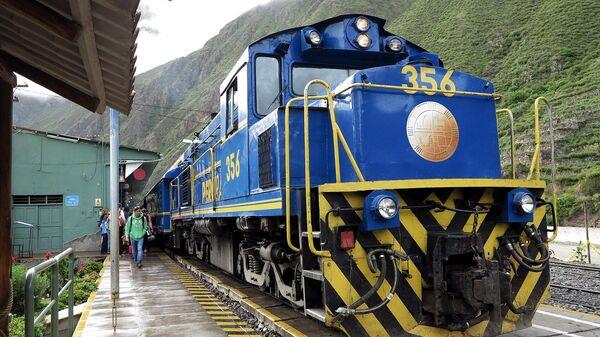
x,y
150,231
104,226
135,230
122,241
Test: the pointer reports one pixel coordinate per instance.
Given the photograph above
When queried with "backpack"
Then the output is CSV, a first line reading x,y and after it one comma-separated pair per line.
x,y
144,222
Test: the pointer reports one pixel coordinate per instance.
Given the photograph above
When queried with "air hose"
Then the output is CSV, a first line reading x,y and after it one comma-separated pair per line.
x,y
525,261
382,255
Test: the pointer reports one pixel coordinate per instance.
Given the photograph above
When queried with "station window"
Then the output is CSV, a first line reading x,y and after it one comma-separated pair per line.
x,y
232,107
267,84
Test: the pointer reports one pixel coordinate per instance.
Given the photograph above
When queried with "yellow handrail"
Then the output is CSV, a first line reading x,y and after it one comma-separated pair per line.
x,y
288,227
309,228
512,140
536,159
426,90
337,136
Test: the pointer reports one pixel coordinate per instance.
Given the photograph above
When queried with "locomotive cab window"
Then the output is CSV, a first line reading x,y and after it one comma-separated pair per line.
x,y
232,107
267,79
302,75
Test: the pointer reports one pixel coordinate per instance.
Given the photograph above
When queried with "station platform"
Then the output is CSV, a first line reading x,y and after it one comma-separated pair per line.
x,y
172,297
146,308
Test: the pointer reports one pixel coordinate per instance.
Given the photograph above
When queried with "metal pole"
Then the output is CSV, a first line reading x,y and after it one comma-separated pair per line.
x,y
54,291
587,232
114,203
71,296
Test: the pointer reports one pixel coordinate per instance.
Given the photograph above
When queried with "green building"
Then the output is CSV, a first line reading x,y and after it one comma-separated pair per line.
x,y
61,183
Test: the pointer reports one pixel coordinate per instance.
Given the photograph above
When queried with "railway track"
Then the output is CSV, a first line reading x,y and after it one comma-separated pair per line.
x,y
575,286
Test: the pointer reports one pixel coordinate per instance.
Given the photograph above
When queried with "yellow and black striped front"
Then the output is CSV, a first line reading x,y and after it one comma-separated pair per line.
x,y
347,275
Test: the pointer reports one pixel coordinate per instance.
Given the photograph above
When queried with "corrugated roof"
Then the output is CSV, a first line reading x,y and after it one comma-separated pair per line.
x,y
73,139
84,50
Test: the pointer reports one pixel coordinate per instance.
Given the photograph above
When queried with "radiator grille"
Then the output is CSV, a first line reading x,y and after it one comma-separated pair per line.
x,y
265,168
186,189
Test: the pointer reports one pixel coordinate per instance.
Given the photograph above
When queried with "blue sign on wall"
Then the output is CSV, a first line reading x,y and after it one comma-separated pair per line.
x,y
72,200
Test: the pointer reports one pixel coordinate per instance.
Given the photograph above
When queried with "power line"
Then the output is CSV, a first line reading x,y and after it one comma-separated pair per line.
x,y
146,111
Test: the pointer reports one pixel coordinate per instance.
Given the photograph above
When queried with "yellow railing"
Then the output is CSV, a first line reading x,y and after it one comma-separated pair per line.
x,y
512,140
337,136
537,155
211,151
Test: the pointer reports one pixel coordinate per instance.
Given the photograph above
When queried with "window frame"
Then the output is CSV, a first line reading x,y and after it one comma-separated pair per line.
x,y
279,84
306,65
230,126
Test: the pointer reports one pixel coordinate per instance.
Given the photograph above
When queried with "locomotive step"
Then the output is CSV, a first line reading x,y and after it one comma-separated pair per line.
x,y
316,235
313,274
317,313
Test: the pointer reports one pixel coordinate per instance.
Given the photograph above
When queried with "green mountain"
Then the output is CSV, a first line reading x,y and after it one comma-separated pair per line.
x,y
526,48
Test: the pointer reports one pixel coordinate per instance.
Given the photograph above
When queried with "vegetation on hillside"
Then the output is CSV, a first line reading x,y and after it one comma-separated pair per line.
x,y
526,48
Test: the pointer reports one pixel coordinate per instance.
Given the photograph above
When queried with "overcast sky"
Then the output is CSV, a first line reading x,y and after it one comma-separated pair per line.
x,y
175,28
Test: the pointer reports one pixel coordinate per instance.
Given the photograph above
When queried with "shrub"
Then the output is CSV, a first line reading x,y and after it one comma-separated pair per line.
x,y
41,286
568,205
590,185
16,328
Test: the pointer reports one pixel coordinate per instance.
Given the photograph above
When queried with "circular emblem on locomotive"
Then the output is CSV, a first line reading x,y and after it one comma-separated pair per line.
x,y
432,131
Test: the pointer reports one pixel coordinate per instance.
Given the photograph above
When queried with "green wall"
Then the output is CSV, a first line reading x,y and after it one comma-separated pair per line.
x,y
46,166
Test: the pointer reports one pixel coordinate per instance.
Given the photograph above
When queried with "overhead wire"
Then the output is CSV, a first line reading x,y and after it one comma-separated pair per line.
x,y
165,107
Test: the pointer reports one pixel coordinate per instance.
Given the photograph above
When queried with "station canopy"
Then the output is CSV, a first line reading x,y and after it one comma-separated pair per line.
x,y
84,50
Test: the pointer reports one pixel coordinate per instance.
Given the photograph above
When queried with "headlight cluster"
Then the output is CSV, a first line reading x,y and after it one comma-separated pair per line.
x,y
524,202
385,206
362,24
363,40
381,211
394,44
313,37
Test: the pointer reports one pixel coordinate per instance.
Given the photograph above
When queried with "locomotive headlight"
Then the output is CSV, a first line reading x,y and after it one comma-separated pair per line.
x,y
386,207
361,24
524,202
394,44
363,40
313,37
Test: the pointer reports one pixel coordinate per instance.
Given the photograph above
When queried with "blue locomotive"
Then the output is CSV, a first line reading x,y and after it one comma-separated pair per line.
x,y
351,175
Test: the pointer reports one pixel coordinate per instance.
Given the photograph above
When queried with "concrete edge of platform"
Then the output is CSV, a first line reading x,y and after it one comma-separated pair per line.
x,y
567,310
89,303
263,315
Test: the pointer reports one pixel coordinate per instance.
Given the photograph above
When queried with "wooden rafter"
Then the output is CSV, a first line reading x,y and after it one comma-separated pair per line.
x,y
6,75
45,17
75,95
81,10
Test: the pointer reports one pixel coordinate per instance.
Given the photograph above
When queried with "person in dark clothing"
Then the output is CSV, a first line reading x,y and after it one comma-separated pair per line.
x,y
104,225
149,231
122,242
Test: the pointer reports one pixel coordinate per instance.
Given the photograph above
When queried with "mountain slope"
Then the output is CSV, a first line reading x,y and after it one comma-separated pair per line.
x,y
526,48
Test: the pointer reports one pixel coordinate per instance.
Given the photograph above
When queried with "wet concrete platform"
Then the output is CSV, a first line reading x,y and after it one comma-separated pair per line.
x,y
152,302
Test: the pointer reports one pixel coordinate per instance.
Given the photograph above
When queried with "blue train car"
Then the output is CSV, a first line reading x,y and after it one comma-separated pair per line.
x,y
158,202
353,176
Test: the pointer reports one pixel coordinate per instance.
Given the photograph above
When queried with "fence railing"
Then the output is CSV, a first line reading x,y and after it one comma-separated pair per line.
x,y
30,319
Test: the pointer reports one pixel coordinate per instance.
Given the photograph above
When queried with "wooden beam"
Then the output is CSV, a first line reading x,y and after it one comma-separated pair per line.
x,y
7,82
50,82
45,16
81,10
74,78
7,76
